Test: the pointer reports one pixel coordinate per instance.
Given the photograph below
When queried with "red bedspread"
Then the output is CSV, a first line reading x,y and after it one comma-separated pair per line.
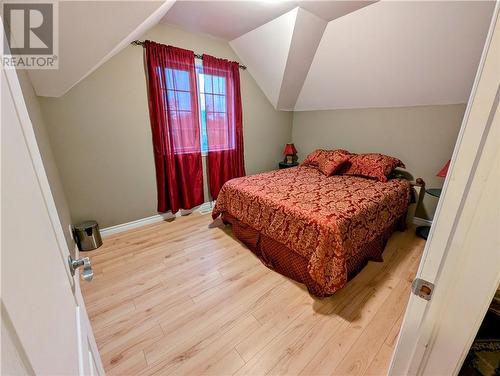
x,y
325,219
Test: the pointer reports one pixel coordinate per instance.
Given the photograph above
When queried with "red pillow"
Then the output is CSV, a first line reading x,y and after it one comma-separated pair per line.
x,y
327,161
377,166
313,158
330,163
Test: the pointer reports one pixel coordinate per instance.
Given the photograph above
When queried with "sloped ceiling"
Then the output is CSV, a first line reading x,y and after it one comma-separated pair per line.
x,y
398,54
288,43
288,50
88,36
233,18
225,19
310,55
270,42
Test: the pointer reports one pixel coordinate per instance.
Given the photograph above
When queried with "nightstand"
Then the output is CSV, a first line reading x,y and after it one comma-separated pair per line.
x,y
288,165
423,231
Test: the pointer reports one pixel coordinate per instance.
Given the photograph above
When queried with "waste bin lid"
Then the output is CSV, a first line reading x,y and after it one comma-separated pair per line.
x,y
86,224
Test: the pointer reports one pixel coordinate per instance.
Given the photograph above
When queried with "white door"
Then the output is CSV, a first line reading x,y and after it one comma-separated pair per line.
x,y
461,256
40,298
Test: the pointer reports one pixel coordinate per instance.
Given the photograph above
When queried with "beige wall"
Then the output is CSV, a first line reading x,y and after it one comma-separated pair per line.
x,y
422,137
42,138
101,137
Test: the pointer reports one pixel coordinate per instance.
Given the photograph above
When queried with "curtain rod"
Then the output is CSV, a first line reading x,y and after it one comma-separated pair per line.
x,y
198,56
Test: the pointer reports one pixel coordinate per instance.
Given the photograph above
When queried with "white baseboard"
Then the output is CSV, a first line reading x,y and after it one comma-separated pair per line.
x,y
204,208
421,222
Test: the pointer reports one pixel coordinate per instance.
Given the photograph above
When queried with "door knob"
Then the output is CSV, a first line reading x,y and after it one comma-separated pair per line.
x,y
87,273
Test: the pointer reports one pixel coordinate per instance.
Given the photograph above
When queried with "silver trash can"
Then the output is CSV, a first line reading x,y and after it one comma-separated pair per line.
x,y
87,236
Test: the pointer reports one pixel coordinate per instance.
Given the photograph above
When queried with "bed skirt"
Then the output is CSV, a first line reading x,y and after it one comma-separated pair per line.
x,y
280,258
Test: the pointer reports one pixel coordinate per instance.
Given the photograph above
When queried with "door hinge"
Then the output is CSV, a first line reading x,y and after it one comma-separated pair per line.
x,y
422,288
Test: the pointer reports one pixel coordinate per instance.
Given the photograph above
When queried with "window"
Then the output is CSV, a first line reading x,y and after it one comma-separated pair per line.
x,y
212,110
178,92
203,114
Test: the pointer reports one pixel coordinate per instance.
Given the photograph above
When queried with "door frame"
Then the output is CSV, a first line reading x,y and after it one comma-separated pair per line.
x,y
454,220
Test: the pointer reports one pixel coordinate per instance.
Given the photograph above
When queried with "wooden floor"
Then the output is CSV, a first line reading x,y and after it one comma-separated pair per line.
x,y
186,298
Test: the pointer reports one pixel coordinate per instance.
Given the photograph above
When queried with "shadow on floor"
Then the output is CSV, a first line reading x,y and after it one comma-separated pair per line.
x,y
401,258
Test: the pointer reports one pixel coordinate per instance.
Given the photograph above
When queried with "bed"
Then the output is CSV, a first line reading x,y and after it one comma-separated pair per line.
x,y
315,229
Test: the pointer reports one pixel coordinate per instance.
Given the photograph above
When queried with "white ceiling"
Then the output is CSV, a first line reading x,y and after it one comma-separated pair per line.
x,y
224,19
266,62
278,54
306,36
231,19
398,54
309,55
90,32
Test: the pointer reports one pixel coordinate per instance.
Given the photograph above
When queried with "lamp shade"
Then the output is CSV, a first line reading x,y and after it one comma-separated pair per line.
x,y
444,170
289,150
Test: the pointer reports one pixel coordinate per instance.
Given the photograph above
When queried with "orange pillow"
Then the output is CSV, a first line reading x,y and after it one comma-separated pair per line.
x,y
374,165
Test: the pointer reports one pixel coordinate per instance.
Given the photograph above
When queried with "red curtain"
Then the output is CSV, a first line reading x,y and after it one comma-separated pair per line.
x,y
173,109
222,104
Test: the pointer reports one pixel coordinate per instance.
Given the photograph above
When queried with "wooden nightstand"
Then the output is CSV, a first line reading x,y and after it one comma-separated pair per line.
x,y
288,165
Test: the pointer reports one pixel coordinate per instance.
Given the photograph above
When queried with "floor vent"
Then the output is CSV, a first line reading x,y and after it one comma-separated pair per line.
x,y
206,207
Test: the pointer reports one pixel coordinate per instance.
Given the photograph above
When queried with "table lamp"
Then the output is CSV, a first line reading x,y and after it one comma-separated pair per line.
x,y
290,154
444,170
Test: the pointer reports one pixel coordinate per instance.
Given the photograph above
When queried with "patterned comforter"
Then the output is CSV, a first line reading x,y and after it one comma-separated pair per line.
x,y
325,219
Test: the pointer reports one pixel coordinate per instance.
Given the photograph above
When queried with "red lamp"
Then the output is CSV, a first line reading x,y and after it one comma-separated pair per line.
x,y
290,153
444,170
